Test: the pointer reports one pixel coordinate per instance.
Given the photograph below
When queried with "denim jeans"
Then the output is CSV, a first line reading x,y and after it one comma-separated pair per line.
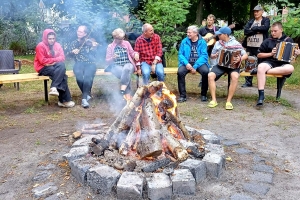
x,y
57,73
146,69
85,73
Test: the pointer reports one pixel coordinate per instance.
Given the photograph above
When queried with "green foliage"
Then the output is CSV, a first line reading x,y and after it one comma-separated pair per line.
x,y
291,25
239,35
165,16
19,47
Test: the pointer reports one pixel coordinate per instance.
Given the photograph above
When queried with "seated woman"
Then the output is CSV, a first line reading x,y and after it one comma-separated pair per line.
x,y
120,55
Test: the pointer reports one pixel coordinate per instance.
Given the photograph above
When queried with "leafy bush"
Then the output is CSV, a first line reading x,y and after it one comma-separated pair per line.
x,y
239,35
19,47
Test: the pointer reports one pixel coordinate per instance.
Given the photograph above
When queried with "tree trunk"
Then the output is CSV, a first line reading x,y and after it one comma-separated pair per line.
x,y
199,13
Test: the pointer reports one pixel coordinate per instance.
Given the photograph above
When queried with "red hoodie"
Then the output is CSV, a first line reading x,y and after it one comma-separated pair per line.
x,y
43,55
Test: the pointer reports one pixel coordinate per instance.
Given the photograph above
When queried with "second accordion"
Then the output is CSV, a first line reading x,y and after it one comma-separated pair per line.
x,y
285,51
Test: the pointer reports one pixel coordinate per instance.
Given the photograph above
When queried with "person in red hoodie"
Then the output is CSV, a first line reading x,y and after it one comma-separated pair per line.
x,y
49,61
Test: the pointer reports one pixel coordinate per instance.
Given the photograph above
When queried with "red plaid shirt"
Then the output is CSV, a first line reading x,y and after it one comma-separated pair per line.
x,y
148,50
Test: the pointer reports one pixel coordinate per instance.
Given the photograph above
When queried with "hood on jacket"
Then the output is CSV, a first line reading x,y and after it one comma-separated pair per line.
x,y
45,35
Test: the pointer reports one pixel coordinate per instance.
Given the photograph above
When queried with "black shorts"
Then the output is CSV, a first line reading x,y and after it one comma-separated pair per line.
x,y
219,71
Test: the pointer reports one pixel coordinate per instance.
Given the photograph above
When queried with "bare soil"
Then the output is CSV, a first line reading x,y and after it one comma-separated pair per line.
x,y
31,137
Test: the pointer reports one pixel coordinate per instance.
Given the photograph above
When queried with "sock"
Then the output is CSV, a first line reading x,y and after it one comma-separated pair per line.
x,y
261,94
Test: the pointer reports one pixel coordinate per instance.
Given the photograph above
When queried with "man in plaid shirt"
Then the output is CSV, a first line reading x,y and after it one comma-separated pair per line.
x,y
149,49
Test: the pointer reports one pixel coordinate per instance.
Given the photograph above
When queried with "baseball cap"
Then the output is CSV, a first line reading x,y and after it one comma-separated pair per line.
x,y
223,30
258,7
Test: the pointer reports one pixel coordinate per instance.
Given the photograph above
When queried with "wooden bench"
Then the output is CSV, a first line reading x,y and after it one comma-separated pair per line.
x,y
280,79
14,78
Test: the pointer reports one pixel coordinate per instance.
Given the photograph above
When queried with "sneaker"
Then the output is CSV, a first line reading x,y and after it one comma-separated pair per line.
x,y
203,98
212,104
84,103
228,106
247,85
181,100
53,92
68,104
88,97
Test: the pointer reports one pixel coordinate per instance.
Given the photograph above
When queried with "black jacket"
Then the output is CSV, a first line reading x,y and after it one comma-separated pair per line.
x,y
264,29
269,43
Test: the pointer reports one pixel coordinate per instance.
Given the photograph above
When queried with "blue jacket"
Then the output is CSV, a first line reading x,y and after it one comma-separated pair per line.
x,y
185,52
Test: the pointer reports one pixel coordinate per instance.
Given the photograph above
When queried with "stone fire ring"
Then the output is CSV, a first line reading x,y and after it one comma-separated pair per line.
x,y
105,180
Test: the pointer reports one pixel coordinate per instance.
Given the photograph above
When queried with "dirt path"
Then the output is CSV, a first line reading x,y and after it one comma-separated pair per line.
x,y
31,146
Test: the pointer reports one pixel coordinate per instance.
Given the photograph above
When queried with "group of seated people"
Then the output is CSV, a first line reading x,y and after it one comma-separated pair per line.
x,y
146,59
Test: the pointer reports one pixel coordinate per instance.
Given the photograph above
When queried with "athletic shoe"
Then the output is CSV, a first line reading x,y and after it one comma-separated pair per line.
x,y
53,92
68,104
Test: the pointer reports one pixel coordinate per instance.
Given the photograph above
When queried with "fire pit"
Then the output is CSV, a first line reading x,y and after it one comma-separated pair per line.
x,y
147,152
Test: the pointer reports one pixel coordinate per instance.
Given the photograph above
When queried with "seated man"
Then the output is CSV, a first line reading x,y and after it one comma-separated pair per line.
x,y
48,61
192,57
270,65
228,42
149,49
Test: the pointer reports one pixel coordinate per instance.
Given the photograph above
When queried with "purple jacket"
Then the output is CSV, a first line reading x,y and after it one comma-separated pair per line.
x,y
124,44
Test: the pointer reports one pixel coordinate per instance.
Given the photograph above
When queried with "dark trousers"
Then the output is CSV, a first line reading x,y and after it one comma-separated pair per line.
x,y
57,74
183,71
85,73
252,52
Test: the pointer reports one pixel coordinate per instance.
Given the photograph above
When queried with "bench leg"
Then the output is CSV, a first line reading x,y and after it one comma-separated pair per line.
x,y
280,83
46,91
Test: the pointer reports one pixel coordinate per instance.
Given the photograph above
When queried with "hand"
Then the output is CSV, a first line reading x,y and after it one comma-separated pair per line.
x,y
274,50
214,56
94,44
75,51
136,57
139,72
237,59
115,55
297,52
189,66
50,64
153,66
193,71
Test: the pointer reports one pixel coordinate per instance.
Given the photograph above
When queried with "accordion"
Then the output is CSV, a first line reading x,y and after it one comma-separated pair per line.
x,y
250,63
226,58
285,51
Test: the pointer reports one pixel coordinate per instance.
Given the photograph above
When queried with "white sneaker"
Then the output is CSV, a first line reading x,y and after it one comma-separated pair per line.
x,y
88,97
53,92
68,104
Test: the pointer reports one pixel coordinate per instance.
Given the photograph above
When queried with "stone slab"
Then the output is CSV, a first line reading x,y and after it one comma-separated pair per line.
x,y
256,188
197,167
183,182
44,191
102,179
76,152
214,164
159,186
243,151
263,168
214,148
240,197
85,141
262,177
130,186
229,143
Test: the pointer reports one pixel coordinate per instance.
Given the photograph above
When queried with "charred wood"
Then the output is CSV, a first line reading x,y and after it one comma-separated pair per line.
x,y
174,146
149,144
179,124
155,165
194,151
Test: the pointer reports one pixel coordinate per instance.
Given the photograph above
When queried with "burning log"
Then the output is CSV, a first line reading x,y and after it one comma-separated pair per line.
x,y
174,146
150,141
149,144
193,150
178,123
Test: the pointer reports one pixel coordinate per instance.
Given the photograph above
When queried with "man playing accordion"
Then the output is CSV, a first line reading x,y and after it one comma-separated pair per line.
x,y
231,44
271,65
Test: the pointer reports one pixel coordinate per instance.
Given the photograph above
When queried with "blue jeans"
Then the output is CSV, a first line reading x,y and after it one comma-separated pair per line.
x,y
146,69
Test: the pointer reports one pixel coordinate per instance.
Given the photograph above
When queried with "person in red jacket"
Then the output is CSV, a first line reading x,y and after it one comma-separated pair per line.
x,y
49,61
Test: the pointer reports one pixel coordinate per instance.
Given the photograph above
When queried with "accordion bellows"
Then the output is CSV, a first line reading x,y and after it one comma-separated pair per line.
x,y
226,58
286,51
